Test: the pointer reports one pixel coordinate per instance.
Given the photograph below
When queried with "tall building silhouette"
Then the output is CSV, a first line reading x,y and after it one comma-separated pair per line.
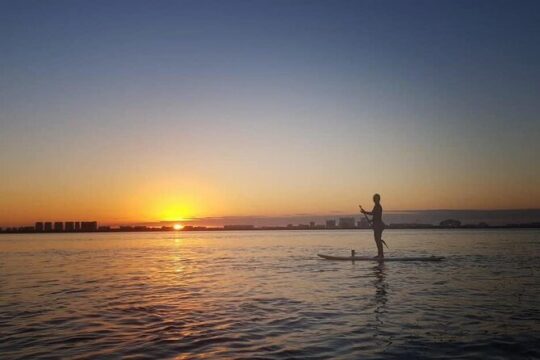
x,y
89,226
346,223
69,226
58,226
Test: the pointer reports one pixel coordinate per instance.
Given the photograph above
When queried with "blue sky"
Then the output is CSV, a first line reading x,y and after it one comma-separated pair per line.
x,y
240,108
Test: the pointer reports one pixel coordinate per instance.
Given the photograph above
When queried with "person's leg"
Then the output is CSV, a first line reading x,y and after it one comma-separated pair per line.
x,y
375,237
378,237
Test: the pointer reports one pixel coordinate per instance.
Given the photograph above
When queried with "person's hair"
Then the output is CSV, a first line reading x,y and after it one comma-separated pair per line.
x,y
376,197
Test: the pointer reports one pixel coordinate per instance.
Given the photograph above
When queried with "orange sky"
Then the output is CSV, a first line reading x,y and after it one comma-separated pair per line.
x,y
179,193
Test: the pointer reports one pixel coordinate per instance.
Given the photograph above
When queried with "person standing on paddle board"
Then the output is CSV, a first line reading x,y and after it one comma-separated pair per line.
x,y
376,223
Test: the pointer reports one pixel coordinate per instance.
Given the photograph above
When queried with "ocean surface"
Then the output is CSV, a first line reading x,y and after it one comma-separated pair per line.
x,y
266,295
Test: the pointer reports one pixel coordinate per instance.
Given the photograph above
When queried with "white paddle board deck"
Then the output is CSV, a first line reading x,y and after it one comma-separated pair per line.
x,y
368,258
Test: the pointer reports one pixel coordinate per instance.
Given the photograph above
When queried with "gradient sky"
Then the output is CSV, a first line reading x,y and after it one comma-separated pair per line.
x,y
145,111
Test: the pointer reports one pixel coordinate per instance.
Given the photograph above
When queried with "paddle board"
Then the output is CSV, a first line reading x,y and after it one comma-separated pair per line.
x,y
368,258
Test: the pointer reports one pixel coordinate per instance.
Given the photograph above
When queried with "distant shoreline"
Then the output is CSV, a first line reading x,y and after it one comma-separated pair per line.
x,y
273,228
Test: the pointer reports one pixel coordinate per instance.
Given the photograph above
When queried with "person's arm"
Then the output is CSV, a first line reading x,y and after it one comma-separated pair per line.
x,y
364,211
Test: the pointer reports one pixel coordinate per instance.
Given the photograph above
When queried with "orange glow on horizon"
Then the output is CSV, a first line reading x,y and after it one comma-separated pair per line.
x,y
178,198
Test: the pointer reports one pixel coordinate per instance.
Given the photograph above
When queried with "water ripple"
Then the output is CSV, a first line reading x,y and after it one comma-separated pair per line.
x,y
265,295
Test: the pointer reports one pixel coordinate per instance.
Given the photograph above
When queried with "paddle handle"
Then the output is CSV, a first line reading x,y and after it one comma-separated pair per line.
x,y
367,219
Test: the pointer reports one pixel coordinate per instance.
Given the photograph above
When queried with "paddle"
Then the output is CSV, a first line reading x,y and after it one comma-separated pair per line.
x,y
371,224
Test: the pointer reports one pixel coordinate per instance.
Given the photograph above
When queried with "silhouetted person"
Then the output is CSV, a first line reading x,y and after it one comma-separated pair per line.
x,y
376,223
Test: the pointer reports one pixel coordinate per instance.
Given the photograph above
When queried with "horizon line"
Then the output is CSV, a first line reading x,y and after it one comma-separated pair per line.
x,y
275,217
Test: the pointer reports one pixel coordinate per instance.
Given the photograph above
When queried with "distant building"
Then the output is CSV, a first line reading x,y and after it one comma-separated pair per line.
x,y
363,224
312,224
410,226
69,226
238,227
330,224
47,226
39,226
346,223
25,229
89,226
450,223
77,226
58,226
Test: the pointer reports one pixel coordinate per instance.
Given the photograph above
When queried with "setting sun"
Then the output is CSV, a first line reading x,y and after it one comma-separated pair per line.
x,y
178,227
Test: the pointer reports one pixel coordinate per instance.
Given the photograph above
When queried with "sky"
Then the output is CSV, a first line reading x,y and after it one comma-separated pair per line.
x,y
129,111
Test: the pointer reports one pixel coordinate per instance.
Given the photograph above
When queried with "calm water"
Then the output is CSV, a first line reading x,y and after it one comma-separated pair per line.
x,y
266,295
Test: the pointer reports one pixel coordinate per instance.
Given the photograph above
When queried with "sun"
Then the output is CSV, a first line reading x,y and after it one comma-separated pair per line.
x,y
178,226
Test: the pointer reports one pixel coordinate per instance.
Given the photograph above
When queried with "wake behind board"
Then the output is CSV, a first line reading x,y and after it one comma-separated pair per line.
x,y
368,258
